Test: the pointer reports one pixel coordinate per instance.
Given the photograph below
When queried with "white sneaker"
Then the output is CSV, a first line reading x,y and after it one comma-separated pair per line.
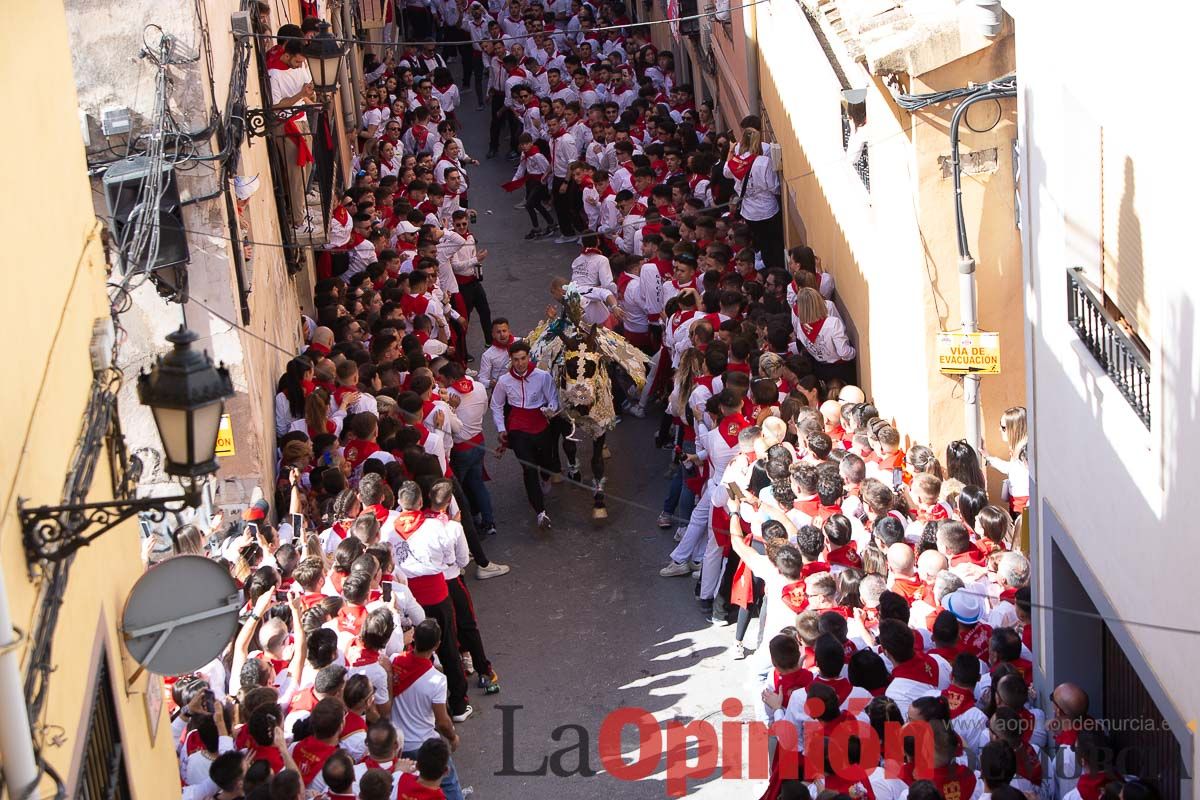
x,y
492,570
634,410
562,239
674,570
664,520
695,573
679,532
520,205
696,565
543,521
463,716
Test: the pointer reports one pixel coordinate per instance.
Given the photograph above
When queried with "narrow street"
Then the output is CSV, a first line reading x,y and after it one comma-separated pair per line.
x,y
583,625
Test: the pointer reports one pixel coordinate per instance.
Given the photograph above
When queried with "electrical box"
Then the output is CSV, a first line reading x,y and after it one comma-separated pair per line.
x,y
115,120
240,22
100,350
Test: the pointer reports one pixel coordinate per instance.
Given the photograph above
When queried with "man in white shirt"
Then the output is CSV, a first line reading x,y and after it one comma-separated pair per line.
x,y
427,551
291,85
591,267
470,401
531,399
420,710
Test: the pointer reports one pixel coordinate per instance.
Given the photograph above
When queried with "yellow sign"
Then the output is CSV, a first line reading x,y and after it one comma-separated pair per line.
x,y
225,437
968,353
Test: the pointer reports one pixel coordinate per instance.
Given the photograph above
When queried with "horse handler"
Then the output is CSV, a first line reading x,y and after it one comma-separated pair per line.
x,y
522,403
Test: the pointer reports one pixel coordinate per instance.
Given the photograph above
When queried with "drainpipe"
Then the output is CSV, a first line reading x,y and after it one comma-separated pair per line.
x,y
968,310
349,91
16,745
750,24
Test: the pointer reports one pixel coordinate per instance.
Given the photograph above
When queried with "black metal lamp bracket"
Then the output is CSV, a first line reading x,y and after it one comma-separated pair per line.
x,y
53,533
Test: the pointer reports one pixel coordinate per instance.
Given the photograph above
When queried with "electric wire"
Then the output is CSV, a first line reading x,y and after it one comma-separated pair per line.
x,y
343,40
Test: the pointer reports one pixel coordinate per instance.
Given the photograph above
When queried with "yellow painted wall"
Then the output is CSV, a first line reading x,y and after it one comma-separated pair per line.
x,y
54,292
892,250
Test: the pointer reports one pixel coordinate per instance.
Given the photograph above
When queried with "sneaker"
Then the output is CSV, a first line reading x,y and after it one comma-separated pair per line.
x,y
679,532
543,520
696,574
520,206
696,565
490,683
564,239
492,570
489,530
706,608
536,233
513,155
739,651
674,570
464,716
634,409
468,664
664,520
574,475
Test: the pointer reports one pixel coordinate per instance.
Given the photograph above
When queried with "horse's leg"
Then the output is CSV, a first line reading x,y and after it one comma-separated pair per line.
x,y
571,448
599,511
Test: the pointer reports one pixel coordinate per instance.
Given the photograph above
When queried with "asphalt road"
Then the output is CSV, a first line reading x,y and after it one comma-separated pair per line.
x,y
583,625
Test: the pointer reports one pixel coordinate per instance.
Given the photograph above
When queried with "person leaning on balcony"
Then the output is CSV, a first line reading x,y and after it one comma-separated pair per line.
x,y
292,85
823,337
756,184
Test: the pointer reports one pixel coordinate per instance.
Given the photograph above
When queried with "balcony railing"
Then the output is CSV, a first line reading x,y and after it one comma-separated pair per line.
x,y
1120,356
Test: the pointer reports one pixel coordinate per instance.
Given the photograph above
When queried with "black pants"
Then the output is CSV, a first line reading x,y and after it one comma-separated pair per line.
x,y
470,640
536,195
560,429
473,70
474,543
448,654
418,23
564,207
767,235
477,303
502,116
533,451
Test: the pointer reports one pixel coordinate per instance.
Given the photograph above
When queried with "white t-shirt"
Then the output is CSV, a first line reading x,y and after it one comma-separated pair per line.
x,y
412,709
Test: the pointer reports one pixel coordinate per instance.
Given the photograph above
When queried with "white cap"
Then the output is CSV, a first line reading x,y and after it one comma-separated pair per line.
x,y
965,605
244,186
407,227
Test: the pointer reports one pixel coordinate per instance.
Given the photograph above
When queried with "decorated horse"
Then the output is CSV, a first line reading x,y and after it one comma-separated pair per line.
x,y
579,355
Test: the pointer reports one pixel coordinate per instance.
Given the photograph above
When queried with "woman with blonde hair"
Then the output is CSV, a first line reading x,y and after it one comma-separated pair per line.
x,y
756,184
823,337
1014,430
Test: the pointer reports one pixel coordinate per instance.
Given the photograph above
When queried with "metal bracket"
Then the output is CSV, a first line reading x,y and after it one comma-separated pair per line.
x,y
53,533
259,121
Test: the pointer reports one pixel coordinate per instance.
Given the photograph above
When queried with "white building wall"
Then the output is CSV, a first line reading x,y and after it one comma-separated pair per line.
x,y
1125,495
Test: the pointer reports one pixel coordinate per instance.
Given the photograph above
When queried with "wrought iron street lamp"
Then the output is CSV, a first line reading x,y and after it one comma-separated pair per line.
x,y
324,55
186,394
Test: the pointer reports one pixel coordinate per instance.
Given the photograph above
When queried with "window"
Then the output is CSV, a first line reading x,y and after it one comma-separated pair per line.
x,y
102,776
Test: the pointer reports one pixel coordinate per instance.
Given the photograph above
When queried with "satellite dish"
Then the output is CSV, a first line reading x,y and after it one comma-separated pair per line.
x,y
180,615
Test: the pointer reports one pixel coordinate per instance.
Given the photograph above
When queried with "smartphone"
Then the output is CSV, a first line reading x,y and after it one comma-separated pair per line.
x,y
210,701
736,492
297,527
897,479
253,528
386,591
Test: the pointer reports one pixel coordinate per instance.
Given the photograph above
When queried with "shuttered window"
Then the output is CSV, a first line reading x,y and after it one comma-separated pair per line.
x,y
102,776
1122,271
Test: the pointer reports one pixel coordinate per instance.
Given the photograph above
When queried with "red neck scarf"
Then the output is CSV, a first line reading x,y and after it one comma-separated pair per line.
x,y
788,683
812,330
406,669
740,165
408,523
1092,784
959,699
920,668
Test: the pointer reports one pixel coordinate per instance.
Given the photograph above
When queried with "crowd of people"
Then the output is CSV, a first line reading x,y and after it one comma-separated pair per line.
x,y
886,584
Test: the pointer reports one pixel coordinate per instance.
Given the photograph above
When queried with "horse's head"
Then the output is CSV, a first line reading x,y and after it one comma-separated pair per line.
x,y
580,373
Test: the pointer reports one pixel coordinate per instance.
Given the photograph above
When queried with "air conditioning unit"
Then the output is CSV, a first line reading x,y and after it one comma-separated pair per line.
x,y
688,27
122,194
